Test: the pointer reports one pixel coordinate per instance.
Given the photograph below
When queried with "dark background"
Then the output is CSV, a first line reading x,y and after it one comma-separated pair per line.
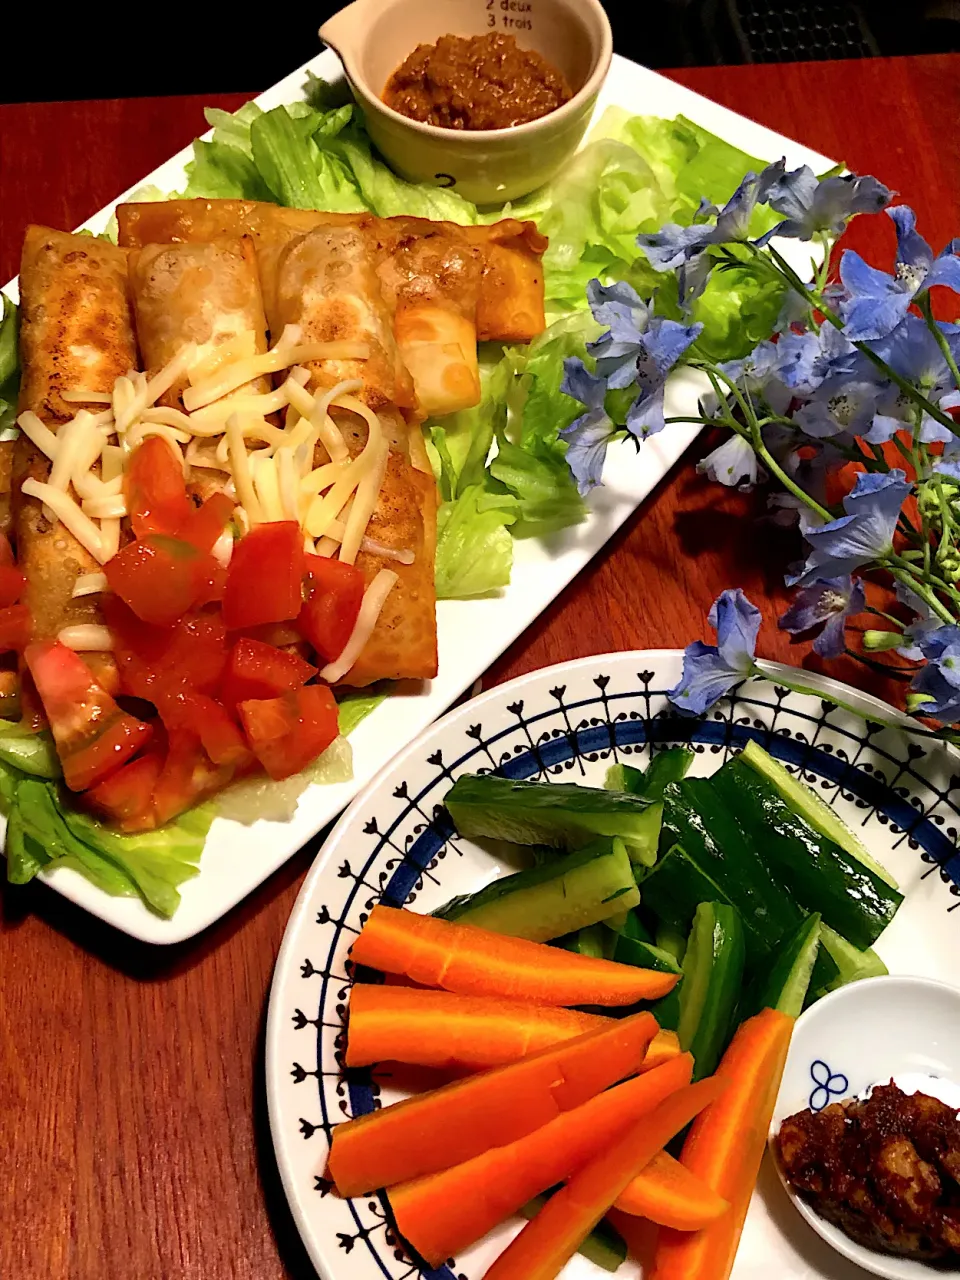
x,y
208,49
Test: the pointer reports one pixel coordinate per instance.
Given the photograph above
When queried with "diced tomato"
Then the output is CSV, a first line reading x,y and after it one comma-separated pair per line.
x,y
264,577
204,525
213,584
161,578
155,490
187,776
277,634
93,735
329,613
12,583
126,797
286,733
204,716
15,627
6,551
258,670
154,660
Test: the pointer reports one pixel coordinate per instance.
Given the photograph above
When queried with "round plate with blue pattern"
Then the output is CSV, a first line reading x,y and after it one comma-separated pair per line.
x,y
396,844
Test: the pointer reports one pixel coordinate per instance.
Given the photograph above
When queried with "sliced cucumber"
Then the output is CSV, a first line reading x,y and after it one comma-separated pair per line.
x,y
816,872
595,940
672,940
545,902
665,767
604,1246
785,987
809,805
712,983
720,863
852,964
562,815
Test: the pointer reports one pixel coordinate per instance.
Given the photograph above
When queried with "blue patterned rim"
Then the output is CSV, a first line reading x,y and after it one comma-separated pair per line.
x,y
551,756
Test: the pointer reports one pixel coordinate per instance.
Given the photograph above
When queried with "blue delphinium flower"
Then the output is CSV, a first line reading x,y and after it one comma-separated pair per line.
x,y
810,206
876,301
826,603
808,358
587,438
710,671
733,463
672,246
758,375
939,678
638,349
913,352
865,533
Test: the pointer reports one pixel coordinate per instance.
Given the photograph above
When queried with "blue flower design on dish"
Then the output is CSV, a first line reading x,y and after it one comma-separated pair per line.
x,y
829,1084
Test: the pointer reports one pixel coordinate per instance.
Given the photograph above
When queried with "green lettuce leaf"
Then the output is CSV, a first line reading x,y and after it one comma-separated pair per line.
x,y
474,545
45,831
354,705
293,156
9,368
32,753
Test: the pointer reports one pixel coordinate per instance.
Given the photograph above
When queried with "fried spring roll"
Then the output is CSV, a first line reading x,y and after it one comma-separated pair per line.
x,y
430,278
510,306
404,642
76,332
510,302
206,293
326,282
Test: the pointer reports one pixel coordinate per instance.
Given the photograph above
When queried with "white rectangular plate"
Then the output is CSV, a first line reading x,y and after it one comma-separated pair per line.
x,y
472,633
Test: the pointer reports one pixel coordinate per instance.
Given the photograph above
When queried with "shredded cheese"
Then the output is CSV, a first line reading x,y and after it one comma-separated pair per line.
x,y
281,357
362,508
264,472
38,434
87,637
153,388
109,538
90,584
86,397
374,599
315,411
240,346
65,509
240,470
105,507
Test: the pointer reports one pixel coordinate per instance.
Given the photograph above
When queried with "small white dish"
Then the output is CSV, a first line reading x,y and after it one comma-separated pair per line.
x,y
882,1029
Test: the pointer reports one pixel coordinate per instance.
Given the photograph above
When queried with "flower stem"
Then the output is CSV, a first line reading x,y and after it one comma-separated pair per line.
x,y
926,310
908,389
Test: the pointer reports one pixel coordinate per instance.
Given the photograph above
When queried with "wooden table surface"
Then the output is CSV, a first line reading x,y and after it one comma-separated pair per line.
x,y
133,1135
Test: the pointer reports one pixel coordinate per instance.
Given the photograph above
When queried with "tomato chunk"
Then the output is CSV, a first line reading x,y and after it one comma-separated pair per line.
x,y
155,490
156,660
204,525
218,732
93,735
161,578
12,583
286,733
329,613
126,797
15,627
258,670
264,577
6,551
187,776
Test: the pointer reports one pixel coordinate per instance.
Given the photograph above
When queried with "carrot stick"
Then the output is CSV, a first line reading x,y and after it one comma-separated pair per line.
x,y
548,1242
664,1046
443,1214
472,961
456,1035
725,1148
439,1029
672,1196
459,1121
